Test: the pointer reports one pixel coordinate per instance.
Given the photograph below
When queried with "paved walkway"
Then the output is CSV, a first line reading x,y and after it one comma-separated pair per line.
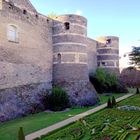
x,y
70,120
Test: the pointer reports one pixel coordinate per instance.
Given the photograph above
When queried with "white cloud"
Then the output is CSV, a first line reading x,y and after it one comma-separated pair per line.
x,y
78,12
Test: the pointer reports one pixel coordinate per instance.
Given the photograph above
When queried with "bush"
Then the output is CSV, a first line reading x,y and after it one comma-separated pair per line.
x,y
109,103
104,81
21,135
137,91
113,101
58,100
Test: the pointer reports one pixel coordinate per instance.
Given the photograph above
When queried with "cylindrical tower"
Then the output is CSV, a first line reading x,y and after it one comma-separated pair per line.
x,y
70,67
108,53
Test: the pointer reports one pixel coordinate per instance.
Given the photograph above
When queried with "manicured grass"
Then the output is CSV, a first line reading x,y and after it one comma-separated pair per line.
x,y
106,124
9,130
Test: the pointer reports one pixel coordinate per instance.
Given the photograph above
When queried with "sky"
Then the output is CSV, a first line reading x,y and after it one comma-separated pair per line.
x,y
105,17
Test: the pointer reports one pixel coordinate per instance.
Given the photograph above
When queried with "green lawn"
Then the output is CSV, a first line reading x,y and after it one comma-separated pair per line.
x,y
9,130
111,124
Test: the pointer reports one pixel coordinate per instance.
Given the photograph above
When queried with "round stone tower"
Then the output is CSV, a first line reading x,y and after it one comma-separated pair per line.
x,y
70,66
108,53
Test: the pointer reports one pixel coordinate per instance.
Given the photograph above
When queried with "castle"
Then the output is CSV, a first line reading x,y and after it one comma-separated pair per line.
x,y
37,52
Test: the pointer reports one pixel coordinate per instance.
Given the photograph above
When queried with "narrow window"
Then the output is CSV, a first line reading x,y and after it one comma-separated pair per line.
x,y
108,42
103,63
36,16
67,25
12,33
59,58
11,4
24,12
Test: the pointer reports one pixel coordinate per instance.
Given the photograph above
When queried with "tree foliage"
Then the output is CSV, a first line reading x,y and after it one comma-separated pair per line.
x,y
58,100
135,56
21,135
104,81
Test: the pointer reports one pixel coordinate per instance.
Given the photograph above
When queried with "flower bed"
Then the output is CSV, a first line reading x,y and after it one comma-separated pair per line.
x,y
107,124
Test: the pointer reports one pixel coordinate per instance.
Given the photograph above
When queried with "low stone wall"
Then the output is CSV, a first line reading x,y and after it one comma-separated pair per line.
x,y
22,100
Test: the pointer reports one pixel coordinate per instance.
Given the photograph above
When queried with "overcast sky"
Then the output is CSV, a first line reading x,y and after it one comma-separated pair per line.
x,y
105,17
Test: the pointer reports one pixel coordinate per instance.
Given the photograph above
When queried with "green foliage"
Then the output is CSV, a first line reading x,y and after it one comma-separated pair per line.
x,y
137,91
105,81
58,100
135,56
109,103
113,101
101,75
21,135
108,124
32,123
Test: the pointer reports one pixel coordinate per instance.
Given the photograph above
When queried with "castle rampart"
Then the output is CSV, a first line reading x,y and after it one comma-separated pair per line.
x,y
37,52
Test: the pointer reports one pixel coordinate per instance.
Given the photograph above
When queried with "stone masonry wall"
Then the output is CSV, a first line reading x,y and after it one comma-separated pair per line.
x,y
92,55
25,65
30,59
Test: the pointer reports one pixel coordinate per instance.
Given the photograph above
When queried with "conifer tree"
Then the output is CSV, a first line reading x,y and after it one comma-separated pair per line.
x,y
21,135
109,104
113,101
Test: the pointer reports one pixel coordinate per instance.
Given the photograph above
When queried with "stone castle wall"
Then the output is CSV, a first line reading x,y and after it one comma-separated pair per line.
x,y
46,52
92,55
26,64
29,60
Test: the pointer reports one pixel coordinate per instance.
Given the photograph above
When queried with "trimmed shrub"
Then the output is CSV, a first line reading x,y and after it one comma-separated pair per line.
x,y
21,135
58,100
137,91
109,103
113,101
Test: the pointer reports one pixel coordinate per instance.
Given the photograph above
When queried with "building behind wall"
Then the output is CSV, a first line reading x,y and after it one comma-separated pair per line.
x,y
37,52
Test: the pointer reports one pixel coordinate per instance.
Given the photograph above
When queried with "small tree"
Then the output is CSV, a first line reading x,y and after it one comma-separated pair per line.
x,y
137,91
134,57
113,101
109,103
21,135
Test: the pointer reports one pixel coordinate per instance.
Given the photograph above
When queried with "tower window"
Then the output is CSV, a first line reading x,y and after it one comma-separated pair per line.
x,y
108,42
12,33
36,16
59,58
103,63
11,4
24,12
67,25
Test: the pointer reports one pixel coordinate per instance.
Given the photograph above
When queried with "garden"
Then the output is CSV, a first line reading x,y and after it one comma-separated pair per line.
x,y
34,122
107,124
